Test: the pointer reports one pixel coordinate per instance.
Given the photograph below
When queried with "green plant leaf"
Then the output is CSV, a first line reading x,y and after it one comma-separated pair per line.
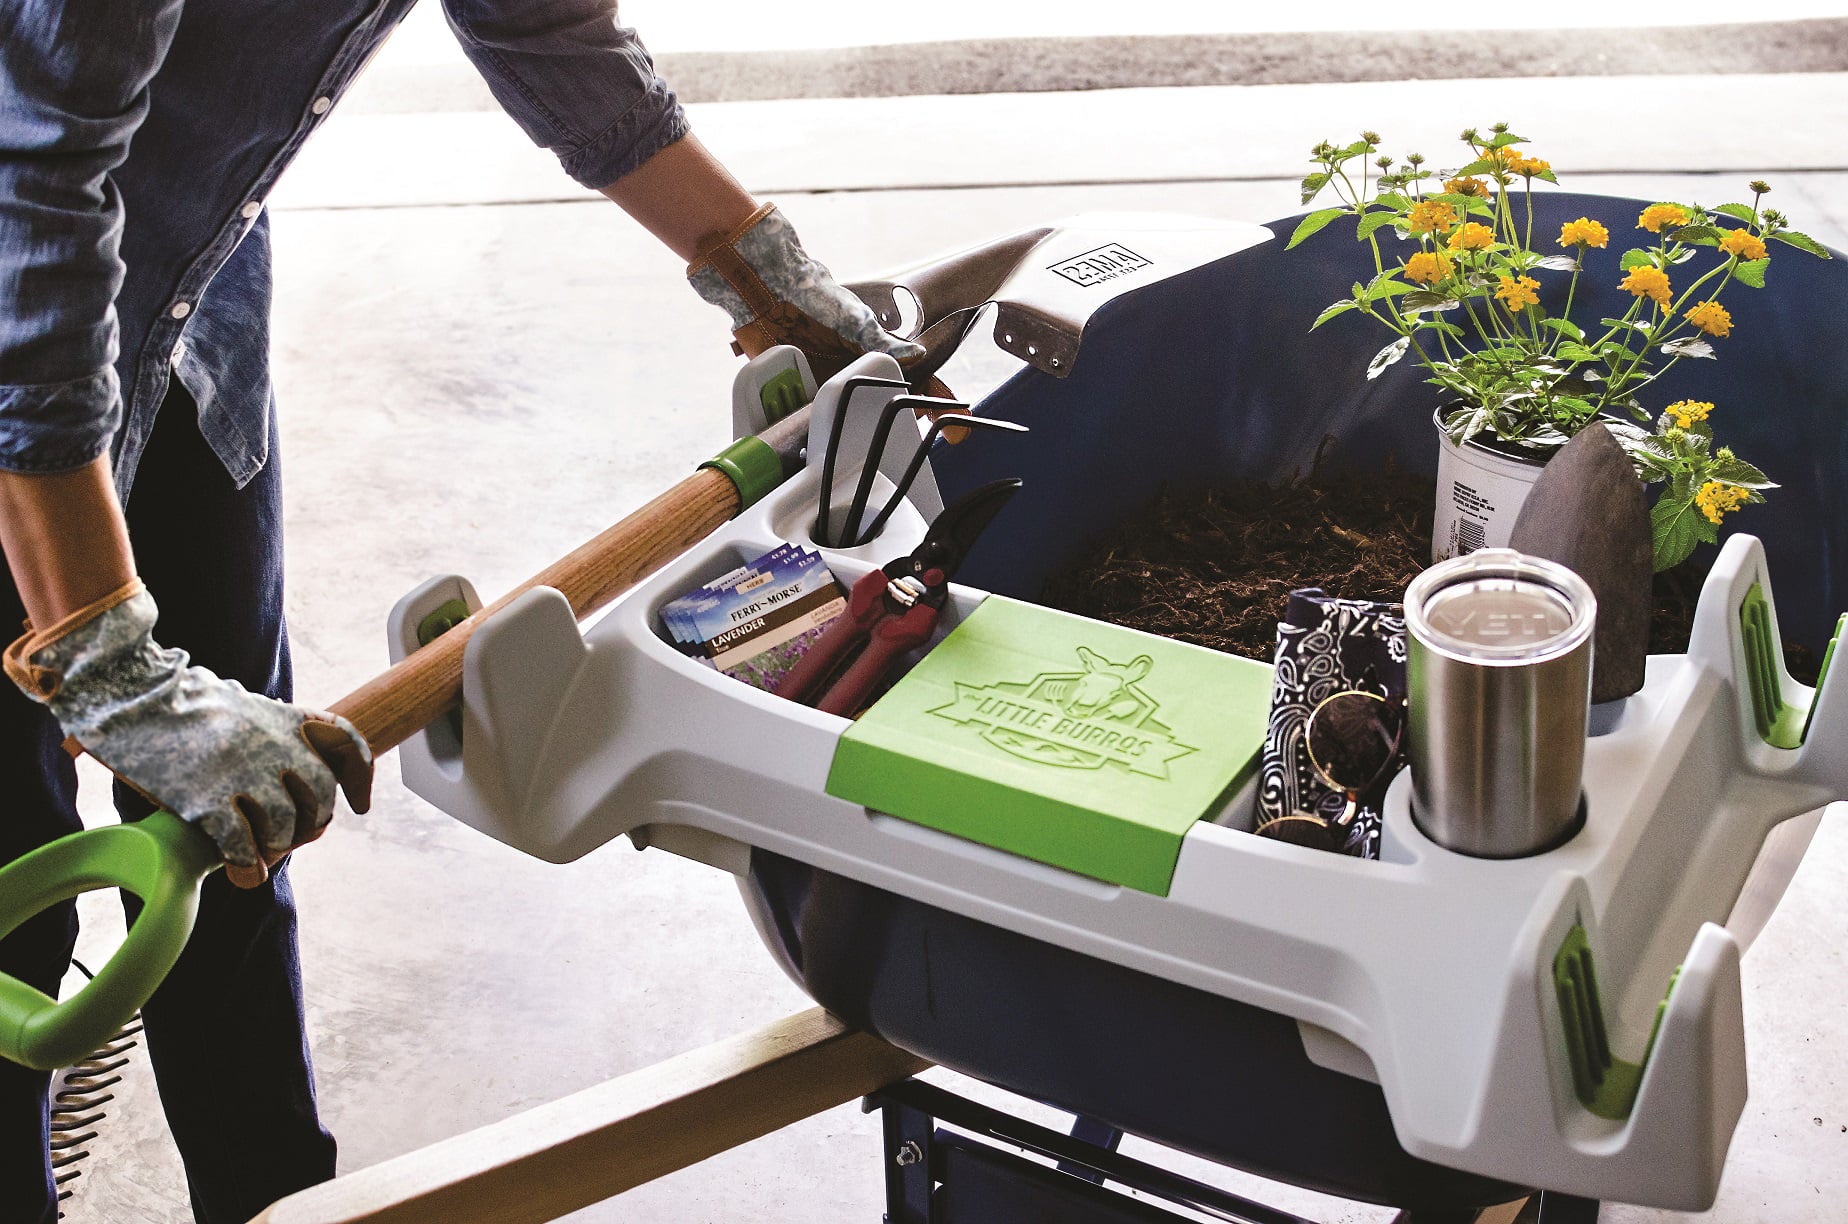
x,y
1313,184
1636,257
1373,221
1449,329
1742,212
1393,200
1339,308
1357,148
1480,166
1548,176
1385,286
1688,346
1420,300
1803,242
1565,327
1752,272
1387,356
1313,222
1730,469
1505,139
1671,522
1699,235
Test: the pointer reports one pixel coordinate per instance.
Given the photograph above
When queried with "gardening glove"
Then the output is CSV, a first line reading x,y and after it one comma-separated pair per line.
x,y
259,775
776,294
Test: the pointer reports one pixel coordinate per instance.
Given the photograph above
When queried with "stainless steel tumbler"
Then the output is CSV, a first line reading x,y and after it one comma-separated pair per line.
x,y
1499,687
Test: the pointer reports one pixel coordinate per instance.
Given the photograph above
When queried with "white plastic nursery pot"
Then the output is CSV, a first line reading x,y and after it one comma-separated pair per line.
x,y
1480,493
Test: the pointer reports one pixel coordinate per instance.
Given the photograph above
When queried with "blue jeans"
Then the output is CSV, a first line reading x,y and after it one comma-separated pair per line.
x,y
224,1033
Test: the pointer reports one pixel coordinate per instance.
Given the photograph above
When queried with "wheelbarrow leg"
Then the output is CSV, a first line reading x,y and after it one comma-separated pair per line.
x,y
908,1132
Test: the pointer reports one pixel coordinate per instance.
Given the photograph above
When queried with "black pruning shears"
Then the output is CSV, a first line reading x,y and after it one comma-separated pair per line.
x,y
893,610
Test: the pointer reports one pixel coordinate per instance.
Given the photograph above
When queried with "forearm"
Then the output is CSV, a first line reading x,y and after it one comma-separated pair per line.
x,y
684,197
65,540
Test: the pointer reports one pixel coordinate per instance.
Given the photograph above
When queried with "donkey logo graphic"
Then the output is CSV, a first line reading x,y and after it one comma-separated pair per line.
x,y
1104,689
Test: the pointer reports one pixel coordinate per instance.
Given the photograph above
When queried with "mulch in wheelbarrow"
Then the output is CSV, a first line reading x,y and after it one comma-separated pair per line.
x,y
1216,568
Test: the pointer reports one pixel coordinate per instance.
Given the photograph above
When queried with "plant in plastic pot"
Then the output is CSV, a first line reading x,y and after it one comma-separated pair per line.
x,y
1461,292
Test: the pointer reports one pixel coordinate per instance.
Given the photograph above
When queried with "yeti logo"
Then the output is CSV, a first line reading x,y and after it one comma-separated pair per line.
x,y
1073,720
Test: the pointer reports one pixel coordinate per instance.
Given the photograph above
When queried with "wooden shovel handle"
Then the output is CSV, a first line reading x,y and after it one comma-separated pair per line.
x,y
398,703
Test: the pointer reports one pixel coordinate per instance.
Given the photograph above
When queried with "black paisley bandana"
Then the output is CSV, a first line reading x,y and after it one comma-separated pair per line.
x,y
1326,646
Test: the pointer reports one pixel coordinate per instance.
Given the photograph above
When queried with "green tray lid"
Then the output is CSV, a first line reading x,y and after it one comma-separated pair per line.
x,y
1066,740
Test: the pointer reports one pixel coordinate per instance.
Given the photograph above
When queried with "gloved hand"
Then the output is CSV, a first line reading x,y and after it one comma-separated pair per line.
x,y
258,775
776,294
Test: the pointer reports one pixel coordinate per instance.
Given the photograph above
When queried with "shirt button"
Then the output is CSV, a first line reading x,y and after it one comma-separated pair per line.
x,y
250,210
179,352
180,310
322,105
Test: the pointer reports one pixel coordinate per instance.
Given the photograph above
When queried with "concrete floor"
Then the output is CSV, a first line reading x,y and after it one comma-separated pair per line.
x,y
474,383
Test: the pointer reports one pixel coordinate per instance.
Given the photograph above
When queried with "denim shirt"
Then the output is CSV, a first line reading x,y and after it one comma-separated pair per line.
x,y
124,264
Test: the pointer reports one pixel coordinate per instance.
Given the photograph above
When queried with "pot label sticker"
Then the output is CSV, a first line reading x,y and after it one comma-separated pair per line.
x,y
1073,720
1095,267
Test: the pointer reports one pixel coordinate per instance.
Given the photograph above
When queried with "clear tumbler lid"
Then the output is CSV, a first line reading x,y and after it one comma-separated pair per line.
x,y
1500,606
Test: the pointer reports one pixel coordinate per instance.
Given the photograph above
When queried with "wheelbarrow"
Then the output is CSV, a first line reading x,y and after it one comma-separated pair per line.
x,y
1318,1019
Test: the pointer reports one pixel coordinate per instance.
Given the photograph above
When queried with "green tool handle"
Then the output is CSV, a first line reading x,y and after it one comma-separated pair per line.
x,y
163,860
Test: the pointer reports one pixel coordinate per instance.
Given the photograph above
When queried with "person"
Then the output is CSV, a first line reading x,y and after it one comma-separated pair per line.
x,y
138,140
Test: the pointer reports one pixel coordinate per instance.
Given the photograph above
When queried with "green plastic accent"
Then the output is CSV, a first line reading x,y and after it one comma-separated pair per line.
x,y
1828,657
1780,724
1068,741
753,467
1605,1084
162,860
446,617
782,395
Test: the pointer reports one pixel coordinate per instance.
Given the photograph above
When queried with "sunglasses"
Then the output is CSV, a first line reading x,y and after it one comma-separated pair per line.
x,y
1353,738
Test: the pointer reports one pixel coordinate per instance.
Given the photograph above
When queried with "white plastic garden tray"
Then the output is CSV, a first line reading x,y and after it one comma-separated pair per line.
x,y
1428,972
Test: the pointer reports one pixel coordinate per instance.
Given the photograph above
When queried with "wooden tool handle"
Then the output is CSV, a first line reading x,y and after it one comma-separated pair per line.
x,y
395,705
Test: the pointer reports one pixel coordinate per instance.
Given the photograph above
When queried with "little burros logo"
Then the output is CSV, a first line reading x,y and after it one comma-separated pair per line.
x,y
1073,720
1095,267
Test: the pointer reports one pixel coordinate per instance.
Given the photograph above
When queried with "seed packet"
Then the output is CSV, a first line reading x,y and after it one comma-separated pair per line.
x,y
755,621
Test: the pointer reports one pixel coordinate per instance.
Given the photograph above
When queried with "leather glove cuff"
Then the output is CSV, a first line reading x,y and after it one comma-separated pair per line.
x,y
40,659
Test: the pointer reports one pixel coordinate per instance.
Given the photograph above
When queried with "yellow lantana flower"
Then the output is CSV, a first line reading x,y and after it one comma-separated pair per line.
x,y
1647,281
1518,292
1686,412
1467,186
1520,163
1743,243
1430,217
1717,500
1472,236
1583,232
1427,267
1658,217
1710,317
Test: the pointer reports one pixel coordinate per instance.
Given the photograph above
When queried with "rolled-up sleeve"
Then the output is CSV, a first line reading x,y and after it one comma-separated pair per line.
x,y
580,84
73,88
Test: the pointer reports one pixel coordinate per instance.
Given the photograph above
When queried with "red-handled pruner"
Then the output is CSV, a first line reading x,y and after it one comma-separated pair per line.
x,y
891,611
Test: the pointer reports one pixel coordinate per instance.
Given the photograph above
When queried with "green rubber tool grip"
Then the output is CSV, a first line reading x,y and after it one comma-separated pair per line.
x,y
162,860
